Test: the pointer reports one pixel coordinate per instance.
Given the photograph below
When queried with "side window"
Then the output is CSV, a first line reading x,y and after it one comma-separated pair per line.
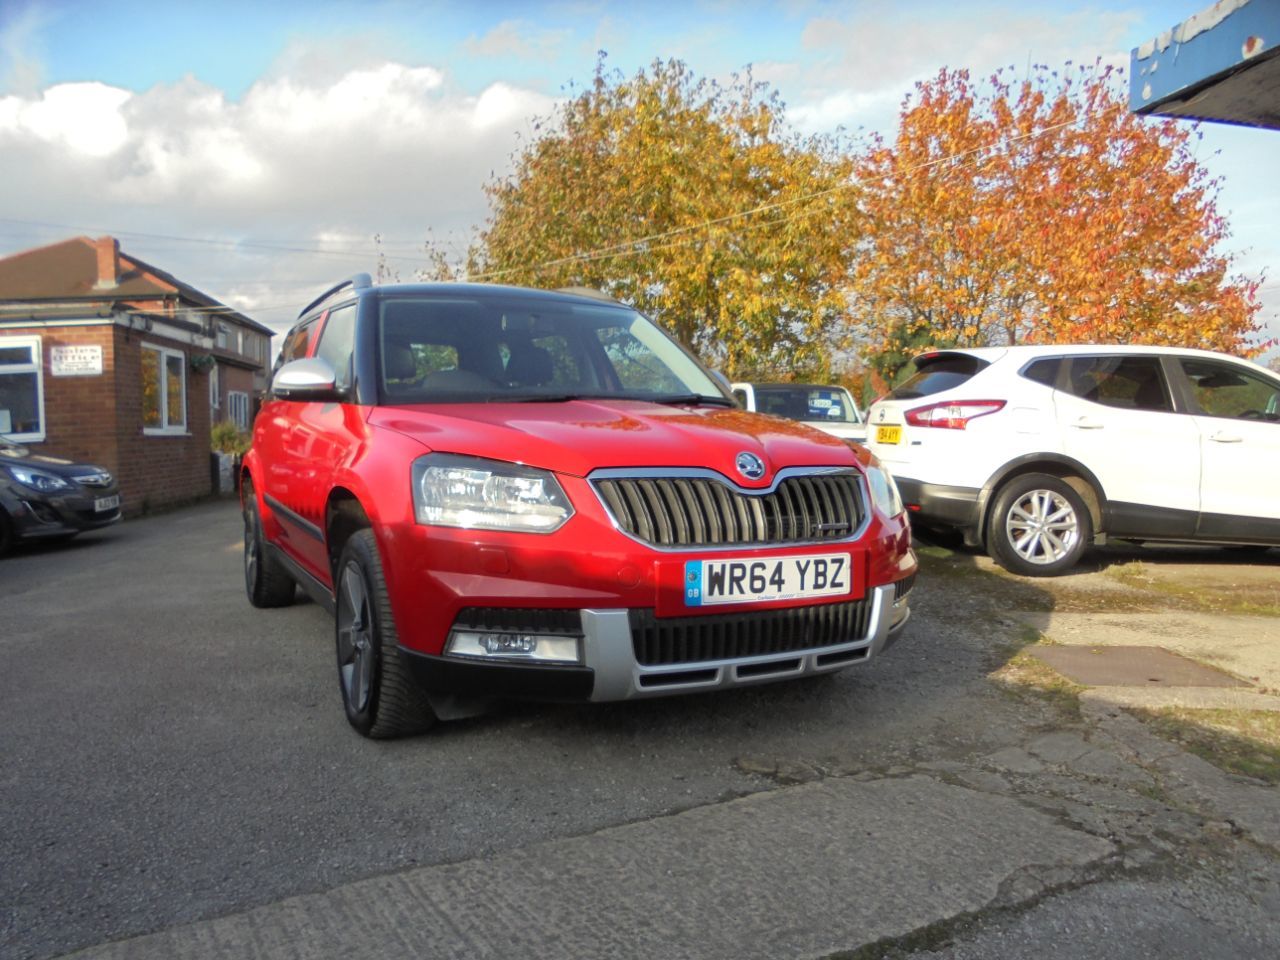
x,y
1125,382
1225,390
1044,371
741,397
297,340
337,340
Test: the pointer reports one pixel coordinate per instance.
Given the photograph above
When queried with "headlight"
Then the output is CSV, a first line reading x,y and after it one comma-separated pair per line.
x,y
39,479
884,492
452,491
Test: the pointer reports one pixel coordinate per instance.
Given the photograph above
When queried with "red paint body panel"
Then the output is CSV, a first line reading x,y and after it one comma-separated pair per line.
x,y
584,435
433,572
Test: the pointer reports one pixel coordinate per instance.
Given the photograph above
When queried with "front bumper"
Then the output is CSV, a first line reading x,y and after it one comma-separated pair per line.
x,y
612,671
36,515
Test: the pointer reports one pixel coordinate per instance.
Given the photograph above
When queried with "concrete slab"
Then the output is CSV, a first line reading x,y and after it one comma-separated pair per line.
x,y
801,872
1245,646
1130,666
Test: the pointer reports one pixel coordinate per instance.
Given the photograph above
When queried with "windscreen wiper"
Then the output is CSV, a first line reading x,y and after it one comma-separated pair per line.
x,y
693,399
541,397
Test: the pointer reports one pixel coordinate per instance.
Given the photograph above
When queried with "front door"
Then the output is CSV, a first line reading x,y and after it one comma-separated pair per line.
x,y
1237,413
1115,415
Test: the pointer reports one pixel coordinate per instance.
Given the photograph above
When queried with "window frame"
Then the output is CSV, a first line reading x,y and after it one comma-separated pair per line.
x,y
36,366
238,401
1194,405
166,429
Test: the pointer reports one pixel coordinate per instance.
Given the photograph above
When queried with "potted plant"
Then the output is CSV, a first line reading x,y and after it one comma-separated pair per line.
x,y
228,445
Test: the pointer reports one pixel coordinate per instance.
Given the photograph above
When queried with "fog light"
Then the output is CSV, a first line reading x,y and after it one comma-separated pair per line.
x,y
493,645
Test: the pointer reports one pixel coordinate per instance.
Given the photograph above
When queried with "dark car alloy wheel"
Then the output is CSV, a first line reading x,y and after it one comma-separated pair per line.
x,y
380,697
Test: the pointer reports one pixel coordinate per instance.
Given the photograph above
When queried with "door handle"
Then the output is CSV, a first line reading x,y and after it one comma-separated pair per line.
x,y
1084,423
1226,438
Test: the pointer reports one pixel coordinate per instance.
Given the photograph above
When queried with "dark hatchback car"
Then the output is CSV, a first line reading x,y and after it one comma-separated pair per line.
x,y
43,497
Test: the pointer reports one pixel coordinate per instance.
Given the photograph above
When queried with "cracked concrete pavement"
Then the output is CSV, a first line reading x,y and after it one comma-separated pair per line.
x,y
809,870
909,808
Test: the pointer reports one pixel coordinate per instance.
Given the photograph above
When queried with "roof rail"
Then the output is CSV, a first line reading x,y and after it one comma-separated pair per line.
x,y
587,292
359,281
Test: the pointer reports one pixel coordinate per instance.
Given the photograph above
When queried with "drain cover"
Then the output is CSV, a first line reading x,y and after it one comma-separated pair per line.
x,y
1131,667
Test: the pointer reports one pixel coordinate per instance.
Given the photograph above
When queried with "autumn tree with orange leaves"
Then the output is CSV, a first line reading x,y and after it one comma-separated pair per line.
x,y
1041,211
689,200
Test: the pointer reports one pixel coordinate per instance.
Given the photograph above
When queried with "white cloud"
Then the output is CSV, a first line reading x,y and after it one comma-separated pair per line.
x,y
20,69
857,69
520,40
83,117
315,164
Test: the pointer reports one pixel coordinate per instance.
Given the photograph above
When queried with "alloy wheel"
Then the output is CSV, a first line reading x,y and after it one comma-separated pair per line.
x,y
355,638
1042,526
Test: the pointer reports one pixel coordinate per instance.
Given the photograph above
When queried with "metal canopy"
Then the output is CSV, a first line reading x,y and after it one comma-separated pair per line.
x,y
1221,64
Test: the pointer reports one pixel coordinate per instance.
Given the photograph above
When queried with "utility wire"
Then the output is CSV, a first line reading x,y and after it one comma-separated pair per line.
x,y
628,246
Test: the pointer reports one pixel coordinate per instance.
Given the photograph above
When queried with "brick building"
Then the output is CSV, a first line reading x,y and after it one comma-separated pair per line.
x,y
108,359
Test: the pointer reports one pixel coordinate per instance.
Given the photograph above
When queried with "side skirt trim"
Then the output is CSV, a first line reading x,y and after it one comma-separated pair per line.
x,y
316,590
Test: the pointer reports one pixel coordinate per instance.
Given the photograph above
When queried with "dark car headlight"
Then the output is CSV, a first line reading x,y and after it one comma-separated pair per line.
x,y
39,480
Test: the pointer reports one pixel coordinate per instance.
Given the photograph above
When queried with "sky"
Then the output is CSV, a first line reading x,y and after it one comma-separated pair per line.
x,y
255,150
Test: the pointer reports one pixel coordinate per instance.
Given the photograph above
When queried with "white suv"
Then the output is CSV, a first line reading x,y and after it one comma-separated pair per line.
x,y
1034,452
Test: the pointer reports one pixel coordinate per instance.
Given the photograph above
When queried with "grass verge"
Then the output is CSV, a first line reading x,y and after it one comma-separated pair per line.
x,y
1221,597
1024,674
1246,742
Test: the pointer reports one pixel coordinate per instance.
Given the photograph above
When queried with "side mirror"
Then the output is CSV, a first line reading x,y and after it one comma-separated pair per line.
x,y
311,379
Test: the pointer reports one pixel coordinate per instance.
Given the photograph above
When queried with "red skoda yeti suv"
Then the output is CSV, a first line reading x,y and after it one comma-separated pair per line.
x,y
509,493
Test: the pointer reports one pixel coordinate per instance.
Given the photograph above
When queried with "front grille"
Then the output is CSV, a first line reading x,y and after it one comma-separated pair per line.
x,y
902,587
98,479
660,642
704,512
519,620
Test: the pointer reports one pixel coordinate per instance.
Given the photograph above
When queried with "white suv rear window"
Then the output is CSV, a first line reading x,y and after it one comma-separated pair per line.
x,y
936,373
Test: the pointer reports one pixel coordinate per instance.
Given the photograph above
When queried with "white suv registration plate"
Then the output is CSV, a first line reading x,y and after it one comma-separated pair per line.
x,y
106,503
708,582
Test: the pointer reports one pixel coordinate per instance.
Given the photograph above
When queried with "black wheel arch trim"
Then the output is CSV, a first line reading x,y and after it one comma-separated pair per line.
x,y
1018,465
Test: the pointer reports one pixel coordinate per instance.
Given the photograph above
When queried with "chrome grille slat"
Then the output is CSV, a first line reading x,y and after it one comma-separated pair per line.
x,y
702,511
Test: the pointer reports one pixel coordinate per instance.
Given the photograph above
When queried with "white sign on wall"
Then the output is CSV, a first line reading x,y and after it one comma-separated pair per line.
x,y
76,361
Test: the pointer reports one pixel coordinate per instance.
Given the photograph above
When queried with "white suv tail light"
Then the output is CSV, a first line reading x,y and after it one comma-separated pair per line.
x,y
952,415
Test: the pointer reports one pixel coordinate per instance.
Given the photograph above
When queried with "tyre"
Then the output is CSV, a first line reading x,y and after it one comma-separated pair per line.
x,y
266,581
1039,526
380,696
1249,549
6,534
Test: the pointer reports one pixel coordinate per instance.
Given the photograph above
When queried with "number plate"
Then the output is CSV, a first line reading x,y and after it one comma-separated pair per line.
x,y
708,582
106,503
888,434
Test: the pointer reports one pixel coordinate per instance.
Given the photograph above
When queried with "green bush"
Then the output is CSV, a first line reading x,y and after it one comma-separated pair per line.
x,y
226,437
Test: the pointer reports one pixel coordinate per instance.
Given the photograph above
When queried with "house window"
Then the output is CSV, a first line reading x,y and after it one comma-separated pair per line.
x,y
164,390
215,394
238,408
21,389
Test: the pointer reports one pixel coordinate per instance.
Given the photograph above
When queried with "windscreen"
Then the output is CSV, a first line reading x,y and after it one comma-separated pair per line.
x,y
448,349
